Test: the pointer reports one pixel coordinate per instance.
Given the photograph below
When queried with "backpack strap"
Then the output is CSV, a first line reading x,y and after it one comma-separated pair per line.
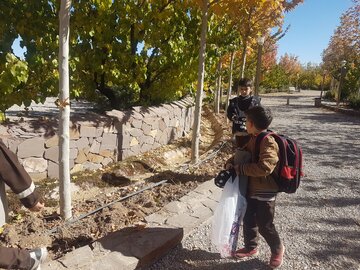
x,y
259,138
280,142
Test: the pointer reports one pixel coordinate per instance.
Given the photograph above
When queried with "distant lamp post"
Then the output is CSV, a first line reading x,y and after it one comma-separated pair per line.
x,y
260,42
341,82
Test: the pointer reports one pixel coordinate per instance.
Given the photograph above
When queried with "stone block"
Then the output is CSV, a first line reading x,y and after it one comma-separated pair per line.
x,y
38,176
109,141
106,153
73,153
136,123
81,157
91,166
94,158
147,139
35,165
150,120
95,147
135,150
99,132
136,132
133,142
34,147
53,141
74,133
146,147
162,125
13,144
53,170
153,133
106,161
52,154
87,131
82,143
77,168
146,128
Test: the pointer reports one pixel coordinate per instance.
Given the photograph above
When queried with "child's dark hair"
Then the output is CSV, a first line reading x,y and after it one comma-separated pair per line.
x,y
245,82
260,116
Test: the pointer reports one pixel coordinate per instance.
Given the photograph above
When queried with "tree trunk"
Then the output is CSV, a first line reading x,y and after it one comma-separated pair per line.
x,y
64,121
258,70
218,87
243,60
230,82
200,86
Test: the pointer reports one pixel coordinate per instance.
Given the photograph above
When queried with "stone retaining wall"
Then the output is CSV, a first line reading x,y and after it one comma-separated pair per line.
x,y
96,141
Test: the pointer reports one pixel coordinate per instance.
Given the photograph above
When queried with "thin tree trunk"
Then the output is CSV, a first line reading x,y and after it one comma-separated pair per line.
x,y
200,86
64,121
218,86
322,85
243,60
230,82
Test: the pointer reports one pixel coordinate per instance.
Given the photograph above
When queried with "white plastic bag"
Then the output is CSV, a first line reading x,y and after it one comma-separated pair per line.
x,y
227,218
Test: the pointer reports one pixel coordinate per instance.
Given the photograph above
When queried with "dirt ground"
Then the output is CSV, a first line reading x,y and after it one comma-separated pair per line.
x,y
93,218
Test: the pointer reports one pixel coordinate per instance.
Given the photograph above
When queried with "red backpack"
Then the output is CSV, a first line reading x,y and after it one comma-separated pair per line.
x,y
289,172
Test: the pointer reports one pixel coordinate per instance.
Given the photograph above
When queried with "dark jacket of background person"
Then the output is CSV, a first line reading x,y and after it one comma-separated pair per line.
x,y
236,111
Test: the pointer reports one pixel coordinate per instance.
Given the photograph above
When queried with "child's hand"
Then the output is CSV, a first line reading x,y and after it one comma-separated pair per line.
x,y
37,207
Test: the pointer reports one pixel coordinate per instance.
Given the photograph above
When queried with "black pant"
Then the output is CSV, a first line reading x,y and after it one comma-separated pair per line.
x,y
259,218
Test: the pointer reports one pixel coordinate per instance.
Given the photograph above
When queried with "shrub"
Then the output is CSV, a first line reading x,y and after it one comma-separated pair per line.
x,y
354,101
329,95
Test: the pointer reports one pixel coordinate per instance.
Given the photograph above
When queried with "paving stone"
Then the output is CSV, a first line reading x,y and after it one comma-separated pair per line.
x,y
201,212
176,207
52,265
147,244
115,260
80,257
182,220
206,188
211,204
191,200
156,218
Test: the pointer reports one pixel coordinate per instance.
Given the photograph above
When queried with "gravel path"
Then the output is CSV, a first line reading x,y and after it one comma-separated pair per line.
x,y
320,224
